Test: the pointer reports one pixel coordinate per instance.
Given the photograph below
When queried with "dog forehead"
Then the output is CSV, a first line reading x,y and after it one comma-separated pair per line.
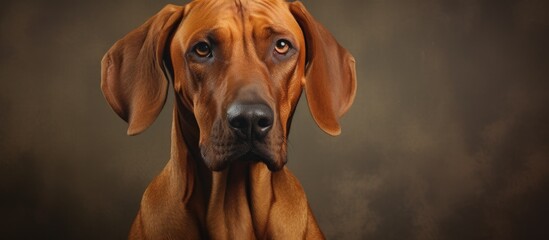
x,y
238,16
239,4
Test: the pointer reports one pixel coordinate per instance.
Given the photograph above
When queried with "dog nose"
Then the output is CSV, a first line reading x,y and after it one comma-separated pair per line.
x,y
250,120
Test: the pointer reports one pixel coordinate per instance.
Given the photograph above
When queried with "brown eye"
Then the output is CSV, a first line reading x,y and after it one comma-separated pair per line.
x,y
282,46
202,49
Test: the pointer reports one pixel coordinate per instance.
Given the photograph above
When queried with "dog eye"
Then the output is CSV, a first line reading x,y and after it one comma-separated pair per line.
x,y
282,46
202,49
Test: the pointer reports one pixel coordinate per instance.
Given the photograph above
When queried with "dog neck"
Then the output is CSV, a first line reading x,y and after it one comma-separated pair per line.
x,y
239,197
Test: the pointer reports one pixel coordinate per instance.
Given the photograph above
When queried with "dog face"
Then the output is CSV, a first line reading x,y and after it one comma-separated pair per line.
x,y
239,67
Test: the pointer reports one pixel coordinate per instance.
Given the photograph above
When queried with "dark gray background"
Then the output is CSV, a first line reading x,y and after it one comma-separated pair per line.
x,y
448,137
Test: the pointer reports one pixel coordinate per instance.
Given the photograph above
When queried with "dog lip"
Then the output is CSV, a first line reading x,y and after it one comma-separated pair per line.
x,y
245,151
254,156
216,163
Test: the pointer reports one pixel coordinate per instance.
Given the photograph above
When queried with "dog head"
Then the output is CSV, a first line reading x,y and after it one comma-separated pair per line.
x,y
239,67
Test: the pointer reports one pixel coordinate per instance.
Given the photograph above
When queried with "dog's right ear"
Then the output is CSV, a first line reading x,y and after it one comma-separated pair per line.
x,y
132,76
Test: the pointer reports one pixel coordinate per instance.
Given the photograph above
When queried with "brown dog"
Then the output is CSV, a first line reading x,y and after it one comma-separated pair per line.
x,y
238,68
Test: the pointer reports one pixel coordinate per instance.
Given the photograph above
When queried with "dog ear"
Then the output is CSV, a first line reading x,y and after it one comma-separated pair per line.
x,y
132,76
330,76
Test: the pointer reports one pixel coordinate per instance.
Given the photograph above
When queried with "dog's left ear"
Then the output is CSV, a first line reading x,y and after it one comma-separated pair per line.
x,y
132,76
330,76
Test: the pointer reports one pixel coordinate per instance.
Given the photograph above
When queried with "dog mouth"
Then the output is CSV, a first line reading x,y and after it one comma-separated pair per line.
x,y
219,157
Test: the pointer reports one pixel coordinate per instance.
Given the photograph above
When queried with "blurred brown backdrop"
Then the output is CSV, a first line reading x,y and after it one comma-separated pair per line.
x,y
448,137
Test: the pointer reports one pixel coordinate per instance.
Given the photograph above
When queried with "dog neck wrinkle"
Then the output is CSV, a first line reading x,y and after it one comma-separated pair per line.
x,y
229,212
183,169
188,129
242,193
260,193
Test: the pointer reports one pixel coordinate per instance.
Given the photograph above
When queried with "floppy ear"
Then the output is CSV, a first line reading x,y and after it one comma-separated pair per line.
x,y
132,77
330,76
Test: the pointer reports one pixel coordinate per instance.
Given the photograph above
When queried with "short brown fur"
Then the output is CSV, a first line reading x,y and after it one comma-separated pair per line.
x,y
206,191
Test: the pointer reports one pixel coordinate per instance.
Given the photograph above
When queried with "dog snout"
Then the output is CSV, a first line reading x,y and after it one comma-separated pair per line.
x,y
250,120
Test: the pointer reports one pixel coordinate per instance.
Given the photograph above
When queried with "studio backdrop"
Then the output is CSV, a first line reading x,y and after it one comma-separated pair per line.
x,y
448,137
